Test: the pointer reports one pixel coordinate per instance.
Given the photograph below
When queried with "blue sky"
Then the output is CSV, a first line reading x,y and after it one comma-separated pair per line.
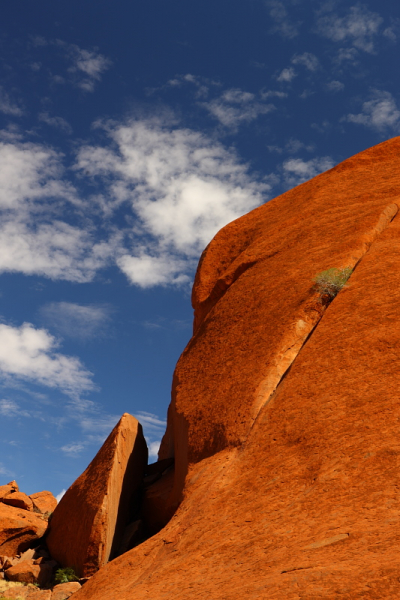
x,y
130,133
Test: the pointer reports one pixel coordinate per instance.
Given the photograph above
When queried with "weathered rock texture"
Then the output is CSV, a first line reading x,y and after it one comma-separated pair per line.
x,y
285,414
18,529
87,526
43,502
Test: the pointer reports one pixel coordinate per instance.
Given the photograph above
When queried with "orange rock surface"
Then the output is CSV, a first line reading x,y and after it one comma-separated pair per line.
x,y
43,502
18,529
88,524
19,500
285,413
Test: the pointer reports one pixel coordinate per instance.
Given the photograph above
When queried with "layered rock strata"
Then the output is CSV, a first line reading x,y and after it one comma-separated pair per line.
x,y
87,526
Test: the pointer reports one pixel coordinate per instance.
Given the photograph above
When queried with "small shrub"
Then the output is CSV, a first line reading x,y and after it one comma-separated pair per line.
x,y
65,575
330,282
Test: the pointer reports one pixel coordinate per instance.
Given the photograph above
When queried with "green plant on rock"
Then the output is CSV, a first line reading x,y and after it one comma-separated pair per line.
x,y
65,575
330,282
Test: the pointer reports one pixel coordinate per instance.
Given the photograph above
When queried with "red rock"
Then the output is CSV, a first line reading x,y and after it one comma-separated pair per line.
x,y
26,571
19,500
27,593
87,526
43,502
18,529
65,590
285,413
5,490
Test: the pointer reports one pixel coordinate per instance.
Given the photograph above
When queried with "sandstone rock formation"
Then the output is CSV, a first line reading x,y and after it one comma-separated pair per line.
x,y
18,529
87,526
285,410
43,502
19,500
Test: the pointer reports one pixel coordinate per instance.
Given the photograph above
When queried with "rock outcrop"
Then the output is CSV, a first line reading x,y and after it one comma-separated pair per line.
x,y
43,502
88,524
285,409
19,528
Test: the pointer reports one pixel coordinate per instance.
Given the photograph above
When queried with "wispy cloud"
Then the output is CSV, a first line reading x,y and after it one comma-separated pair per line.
x,y
335,86
379,112
57,122
297,170
76,320
9,408
282,22
153,427
73,449
8,106
86,67
29,354
182,187
358,27
308,60
235,107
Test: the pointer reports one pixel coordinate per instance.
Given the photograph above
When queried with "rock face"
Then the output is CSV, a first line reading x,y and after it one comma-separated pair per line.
x,y
19,500
87,526
285,411
18,529
43,502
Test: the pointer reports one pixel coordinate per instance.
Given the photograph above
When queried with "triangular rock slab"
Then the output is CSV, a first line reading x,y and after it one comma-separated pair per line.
x,y
87,525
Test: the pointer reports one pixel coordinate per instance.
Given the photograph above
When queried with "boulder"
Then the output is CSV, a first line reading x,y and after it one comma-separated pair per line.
x,y
26,571
63,591
18,529
7,489
285,409
19,500
43,502
27,593
87,526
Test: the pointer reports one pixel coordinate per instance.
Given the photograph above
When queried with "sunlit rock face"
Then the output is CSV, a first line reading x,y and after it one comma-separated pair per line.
x,y
87,526
284,420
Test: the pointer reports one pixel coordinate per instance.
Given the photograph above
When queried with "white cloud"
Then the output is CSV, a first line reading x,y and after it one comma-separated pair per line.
x,y
308,60
297,171
60,495
154,448
235,106
55,250
76,320
31,172
283,25
379,112
29,354
7,106
34,238
287,75
182,187
57,122
359,27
